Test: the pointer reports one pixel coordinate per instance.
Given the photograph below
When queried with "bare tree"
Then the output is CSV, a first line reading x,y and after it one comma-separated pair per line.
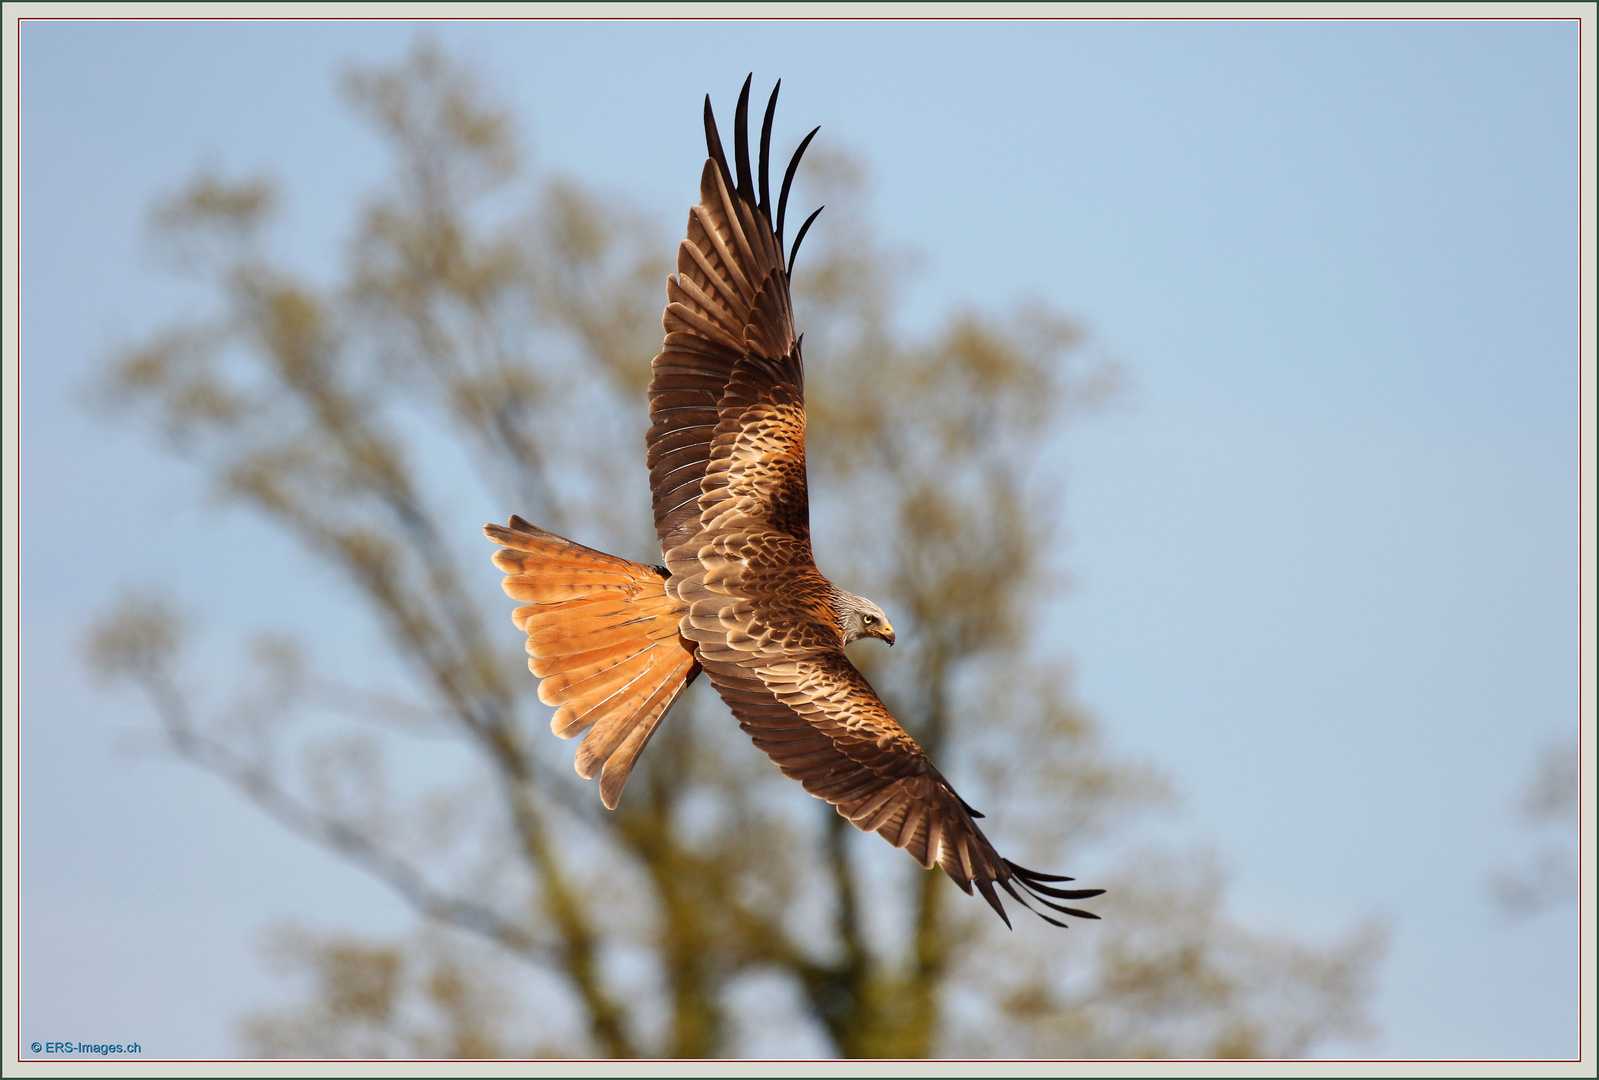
x,y
511,354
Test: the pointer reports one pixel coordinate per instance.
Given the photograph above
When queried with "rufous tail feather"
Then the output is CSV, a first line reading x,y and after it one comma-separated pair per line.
x,y
602,635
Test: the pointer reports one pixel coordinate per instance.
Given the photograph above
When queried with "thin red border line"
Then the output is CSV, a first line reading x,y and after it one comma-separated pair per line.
x,y
1581,373
908,1061
16,458
1584,137
1581,461
796,18
1583,251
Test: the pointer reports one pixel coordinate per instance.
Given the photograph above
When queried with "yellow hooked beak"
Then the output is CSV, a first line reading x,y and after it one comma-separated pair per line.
x,y
886,632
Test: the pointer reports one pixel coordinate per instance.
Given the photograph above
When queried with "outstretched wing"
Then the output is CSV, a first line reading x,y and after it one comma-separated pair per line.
x,y
821,722
727,458
758,610
728,300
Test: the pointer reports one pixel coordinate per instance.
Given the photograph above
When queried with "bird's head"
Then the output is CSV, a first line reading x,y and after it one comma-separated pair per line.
x,y
859,618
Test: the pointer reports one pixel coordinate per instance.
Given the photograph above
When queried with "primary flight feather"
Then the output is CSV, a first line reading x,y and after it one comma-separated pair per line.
x,y
615,642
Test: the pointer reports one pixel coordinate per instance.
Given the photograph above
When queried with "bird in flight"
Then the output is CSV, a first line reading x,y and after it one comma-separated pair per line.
x,y
615,642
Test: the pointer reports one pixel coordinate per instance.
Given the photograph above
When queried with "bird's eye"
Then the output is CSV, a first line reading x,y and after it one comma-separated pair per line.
x,y
870,620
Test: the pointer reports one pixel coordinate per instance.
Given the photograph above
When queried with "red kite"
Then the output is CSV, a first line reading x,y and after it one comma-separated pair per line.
x,y
740,598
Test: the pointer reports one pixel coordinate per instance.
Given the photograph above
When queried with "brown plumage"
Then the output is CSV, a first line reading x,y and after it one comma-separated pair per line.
x,y
740,597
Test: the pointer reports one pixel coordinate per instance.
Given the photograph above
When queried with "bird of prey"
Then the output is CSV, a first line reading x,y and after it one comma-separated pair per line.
x,y
616,642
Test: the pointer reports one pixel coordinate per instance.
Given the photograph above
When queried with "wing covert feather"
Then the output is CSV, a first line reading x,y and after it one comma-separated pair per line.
x,y
730,293
821,723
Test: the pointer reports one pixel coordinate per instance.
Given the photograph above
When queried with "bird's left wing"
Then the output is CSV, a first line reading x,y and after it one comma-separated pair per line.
x,y
820,721
757,609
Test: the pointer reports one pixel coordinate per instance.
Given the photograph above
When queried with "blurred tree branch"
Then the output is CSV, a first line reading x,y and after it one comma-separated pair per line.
x,y
1550,805
139,641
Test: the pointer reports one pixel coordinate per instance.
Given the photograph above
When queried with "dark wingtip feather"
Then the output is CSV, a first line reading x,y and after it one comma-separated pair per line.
x,y
1030,882
766,154
986,887
713,144
741,141
1062,908
1064,894
1022,900
788,179
793,254
1033,875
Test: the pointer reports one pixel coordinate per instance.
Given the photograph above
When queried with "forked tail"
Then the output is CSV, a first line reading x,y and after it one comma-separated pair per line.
x,y
602,636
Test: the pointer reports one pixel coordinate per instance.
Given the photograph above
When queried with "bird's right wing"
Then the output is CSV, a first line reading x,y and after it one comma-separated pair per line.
x,y
731,277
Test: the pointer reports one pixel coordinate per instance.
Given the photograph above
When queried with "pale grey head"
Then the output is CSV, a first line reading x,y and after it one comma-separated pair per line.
x,y
858,617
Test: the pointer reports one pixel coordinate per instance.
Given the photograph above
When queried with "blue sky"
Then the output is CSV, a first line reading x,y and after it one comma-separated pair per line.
x,y
1324,553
